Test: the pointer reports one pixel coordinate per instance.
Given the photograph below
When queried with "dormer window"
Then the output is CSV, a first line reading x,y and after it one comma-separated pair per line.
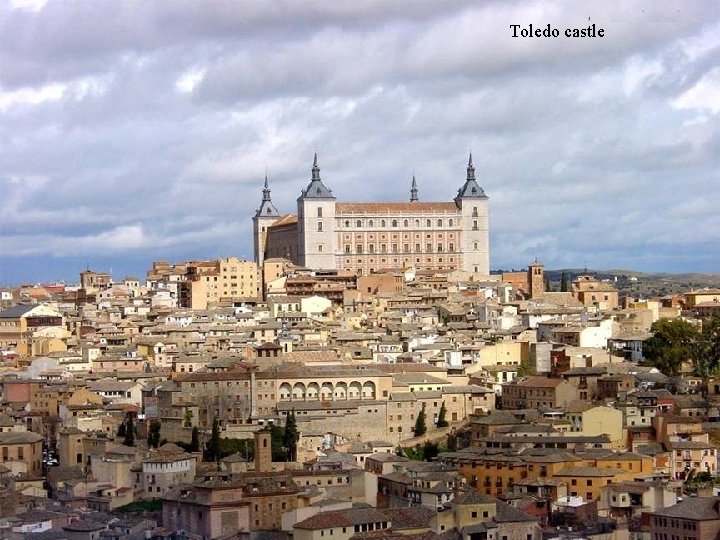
x,y
317,191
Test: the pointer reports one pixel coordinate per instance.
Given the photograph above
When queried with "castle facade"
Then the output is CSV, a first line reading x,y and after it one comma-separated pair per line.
x,y
368,237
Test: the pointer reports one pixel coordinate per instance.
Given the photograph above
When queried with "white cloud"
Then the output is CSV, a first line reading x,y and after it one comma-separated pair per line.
x,y
704,95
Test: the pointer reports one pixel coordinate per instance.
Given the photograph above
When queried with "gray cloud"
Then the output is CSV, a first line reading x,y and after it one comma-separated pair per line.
x,y
145,127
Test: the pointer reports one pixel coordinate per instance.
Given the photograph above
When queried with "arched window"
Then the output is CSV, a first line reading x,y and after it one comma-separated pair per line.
x,y
358,223
450,222
382,222
439,222
347,222
406,223
371,223
417,222
394,222
428,223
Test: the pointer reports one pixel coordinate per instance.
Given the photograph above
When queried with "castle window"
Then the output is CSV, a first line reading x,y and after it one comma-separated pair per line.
x,y
451,247
440,247
394,222
371,223
406,223
382,223
347,222
319,211
474,212
475,245
359,248
417,222
475,225
371,248
267,211
395,248
319,226
439,222
406,248
428,223
347,248
428,248
417,248
383,248
358,223
450,222
319,248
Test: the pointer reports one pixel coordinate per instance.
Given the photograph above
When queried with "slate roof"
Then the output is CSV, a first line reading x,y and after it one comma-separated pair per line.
x,y
694,508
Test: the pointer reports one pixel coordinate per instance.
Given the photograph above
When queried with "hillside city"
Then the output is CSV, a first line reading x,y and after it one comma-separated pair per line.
x,y
230,399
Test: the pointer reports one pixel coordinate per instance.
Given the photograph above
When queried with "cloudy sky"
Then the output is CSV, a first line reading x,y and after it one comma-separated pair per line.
x,y
134,131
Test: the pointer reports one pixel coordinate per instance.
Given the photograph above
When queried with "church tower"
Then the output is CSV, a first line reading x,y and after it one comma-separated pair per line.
x,y
317,242
475,237
414,191
536,279
264,216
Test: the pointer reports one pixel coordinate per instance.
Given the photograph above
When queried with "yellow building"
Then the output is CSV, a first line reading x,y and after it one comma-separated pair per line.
x,y
223,279
32,329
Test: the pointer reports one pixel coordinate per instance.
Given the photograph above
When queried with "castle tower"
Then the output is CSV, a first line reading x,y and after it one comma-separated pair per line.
x,y
475,237
317,242
264,216
263,451
414,190
536,279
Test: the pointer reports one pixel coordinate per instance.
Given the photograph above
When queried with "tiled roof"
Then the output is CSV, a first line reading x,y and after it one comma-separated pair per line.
x,y
695,508
387,208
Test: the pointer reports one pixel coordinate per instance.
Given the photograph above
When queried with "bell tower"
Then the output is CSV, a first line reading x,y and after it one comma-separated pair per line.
x,y
317,242
474,236
264,217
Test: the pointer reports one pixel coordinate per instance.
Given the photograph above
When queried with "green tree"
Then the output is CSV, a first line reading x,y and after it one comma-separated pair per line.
x,y
564,282
291,436
441,421
420,425
212,447
194,440
154,434
430,450
187,417
671,344
705,353
129,439
277,443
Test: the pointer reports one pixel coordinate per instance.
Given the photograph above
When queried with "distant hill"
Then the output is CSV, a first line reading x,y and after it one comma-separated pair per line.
x,y
644,283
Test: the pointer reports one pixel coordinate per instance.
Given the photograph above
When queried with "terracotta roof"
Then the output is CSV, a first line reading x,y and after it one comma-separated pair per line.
x,y
395,208
288,219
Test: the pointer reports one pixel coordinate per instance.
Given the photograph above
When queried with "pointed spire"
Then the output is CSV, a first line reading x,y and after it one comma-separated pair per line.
x,y
470,169
316,189
413,190
266,189
315,169
267,209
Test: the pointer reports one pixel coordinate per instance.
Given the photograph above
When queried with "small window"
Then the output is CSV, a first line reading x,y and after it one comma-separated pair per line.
x,y
439,222
406,223
428,223
347,222
358,223
394,222
319,226
319,211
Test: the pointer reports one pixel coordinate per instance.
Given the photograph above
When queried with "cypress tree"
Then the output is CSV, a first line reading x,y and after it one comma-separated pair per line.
x,y
420,427
129,433
195,440
441,421
122,429
212,448
563,282
154,434
291,436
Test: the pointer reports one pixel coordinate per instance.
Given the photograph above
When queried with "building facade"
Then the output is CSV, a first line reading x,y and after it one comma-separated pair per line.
x,y
368,237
